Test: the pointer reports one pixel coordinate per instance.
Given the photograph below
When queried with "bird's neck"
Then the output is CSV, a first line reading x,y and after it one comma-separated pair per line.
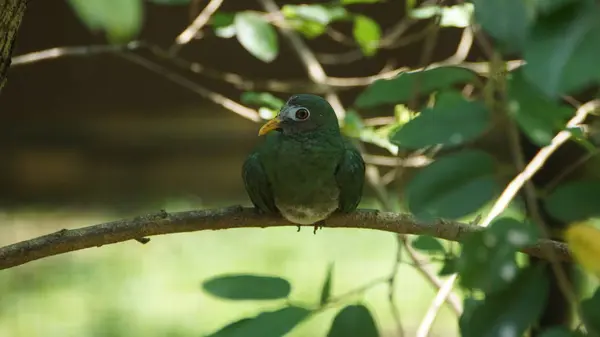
x,y
313,134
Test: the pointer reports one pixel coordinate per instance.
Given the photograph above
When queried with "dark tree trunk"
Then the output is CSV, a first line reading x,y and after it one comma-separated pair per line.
x,y
11,13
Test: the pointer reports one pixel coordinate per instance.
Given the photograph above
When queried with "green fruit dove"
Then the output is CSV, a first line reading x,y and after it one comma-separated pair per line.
x,y
305,169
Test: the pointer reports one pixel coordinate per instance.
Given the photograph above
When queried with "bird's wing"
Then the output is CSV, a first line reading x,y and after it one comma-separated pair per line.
x,y
350,177
257,185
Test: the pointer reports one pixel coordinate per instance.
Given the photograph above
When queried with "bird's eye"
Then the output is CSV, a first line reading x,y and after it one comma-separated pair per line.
x,y
302,114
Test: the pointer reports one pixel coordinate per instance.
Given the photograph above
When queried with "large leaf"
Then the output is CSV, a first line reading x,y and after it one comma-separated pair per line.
x,y
488,259
402,88
453,186
574,201
512,311
584,243
563,48
326,290
120,20
428,244
353,321
546,7
591,313
267,324
367,33
538,116
256,35
248,287
507,21
452,121
560,332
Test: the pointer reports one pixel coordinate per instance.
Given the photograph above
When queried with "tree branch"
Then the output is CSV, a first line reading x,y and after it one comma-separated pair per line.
x,y
11,14
232,217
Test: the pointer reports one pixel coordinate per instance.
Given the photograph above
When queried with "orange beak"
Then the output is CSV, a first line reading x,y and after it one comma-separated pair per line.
x,y
269,126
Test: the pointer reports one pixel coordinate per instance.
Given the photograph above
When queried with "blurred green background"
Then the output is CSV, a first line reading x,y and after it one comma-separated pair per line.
x,y
91,139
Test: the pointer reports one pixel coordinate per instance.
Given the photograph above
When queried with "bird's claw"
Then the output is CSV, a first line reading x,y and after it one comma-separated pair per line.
x,y
317,226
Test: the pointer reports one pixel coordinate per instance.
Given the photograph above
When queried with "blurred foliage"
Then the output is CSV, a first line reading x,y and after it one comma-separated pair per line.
x,y
441,110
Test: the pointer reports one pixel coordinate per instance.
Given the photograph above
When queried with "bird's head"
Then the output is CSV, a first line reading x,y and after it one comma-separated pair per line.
x,y
302,113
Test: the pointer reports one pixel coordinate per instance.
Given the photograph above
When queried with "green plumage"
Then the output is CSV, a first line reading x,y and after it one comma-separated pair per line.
x,y
306,170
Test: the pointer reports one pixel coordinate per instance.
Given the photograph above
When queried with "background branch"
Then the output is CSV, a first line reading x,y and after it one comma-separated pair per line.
x,y
65,240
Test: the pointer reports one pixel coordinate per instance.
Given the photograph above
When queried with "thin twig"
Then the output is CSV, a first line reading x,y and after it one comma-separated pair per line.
x,y
58,52
410,161
392,286
237,80
374,179
192,30
453,300
444,292
202,91
330,83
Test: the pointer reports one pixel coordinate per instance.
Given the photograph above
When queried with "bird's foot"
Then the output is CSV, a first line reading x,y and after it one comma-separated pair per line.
x,y
318,225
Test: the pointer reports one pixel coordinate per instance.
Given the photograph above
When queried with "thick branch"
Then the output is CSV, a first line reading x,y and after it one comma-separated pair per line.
x,y
11,14
65,240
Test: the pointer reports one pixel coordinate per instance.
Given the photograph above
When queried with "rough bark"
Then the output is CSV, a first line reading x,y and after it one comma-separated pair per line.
x,y
11,14
138,228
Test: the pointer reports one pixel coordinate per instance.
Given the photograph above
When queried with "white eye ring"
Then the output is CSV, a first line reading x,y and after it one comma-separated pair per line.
x,y
301,114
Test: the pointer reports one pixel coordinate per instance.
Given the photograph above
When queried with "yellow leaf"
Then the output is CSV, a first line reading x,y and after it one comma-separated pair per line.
x,y
584,242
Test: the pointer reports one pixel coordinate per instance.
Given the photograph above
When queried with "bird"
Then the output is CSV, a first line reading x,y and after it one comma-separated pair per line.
x,y
305,169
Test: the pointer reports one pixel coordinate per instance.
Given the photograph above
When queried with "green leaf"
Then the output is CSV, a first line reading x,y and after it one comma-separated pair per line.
x,y
451,16
120,20
222,19
257,36
539,117
312,20
262,99
591,313
223,24
248,287
546,7
353,124
488,258
449,266
512,311
353,321
401,88
317,13
232,329
562,50
507,21
348,2
171,2
428,244
560,332
453,186
574,201
452,121
326,291
267,324
367,33
470,304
